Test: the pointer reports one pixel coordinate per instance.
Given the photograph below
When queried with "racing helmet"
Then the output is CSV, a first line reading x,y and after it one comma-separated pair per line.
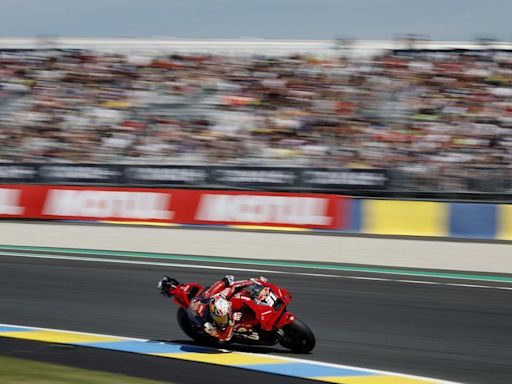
x,y
220,310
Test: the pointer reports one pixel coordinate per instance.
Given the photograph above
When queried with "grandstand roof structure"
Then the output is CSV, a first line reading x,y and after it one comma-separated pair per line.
x,y
237,47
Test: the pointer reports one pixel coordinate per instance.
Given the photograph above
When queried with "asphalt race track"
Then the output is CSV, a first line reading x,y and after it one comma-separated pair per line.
x,y
458,333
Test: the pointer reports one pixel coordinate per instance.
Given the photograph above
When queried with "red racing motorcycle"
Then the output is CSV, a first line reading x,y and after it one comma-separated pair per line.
x,y
265,319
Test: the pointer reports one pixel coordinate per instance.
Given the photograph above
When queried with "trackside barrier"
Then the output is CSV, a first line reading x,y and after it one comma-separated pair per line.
x,y
427,218
253,209
504,222
179,206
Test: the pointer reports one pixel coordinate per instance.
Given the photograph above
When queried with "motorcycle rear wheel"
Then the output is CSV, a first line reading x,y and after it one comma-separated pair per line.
x,y
190,331
298,337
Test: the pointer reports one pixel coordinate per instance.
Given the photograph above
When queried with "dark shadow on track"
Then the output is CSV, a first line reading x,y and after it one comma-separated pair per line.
x,y
234,347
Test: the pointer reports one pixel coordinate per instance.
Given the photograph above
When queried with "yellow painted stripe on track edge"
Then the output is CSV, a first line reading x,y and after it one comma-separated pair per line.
x,y
222,358
322,372
269,228
152,223
59,337
384,379
247,227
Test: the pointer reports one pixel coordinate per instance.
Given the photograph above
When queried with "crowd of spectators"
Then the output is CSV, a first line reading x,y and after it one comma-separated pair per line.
x,y
436,119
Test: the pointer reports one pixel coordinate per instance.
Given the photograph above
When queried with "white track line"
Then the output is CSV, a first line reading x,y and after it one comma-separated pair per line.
x,y
284,358
213,267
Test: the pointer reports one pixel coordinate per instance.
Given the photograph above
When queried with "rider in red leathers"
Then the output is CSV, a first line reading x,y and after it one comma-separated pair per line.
x,y
218,308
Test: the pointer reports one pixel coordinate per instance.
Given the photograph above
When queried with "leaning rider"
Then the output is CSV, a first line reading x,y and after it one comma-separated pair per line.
x,y
217,308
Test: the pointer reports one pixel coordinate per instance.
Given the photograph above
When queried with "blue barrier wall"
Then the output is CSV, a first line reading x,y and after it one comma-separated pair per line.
x,y
473,220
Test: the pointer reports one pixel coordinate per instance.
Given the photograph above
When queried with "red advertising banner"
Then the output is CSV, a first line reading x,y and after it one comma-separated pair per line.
x,y
173,206
267,208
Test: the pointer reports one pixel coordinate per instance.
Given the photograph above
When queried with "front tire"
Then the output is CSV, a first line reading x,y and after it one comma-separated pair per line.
x,y
298,337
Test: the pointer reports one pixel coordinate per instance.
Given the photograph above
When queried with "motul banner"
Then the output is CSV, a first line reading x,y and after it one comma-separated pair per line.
x,y
10,200
78,203
139,205
318,211
172,206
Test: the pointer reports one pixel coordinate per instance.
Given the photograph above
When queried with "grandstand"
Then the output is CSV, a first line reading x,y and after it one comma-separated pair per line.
x,y
436,115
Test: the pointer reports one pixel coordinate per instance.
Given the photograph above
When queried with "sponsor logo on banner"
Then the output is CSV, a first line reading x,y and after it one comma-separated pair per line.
x,y
77,172
108,204
10,202
167,174
254,176
291,210
17,172
341,178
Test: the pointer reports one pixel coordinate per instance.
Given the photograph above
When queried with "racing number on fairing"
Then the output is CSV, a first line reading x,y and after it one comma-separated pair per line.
x,y
266,296
270,299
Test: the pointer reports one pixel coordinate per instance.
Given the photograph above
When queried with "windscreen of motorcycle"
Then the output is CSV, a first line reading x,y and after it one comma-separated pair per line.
x,y
261,295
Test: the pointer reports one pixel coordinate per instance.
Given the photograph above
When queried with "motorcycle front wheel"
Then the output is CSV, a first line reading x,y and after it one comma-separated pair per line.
x,y
298,337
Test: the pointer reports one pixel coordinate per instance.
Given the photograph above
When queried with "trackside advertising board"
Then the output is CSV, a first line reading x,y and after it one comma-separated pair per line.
x,y
173,206
176,176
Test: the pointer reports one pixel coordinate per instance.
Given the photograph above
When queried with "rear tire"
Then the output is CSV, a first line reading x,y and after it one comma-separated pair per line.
x,y
184,323
192,332
298,337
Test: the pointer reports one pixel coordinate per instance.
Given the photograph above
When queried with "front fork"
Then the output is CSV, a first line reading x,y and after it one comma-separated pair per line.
x,y
285,319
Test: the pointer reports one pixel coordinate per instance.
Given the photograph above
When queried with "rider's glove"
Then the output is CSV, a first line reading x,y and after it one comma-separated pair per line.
x,y
209,328
259,280
165,284
229,279
236,316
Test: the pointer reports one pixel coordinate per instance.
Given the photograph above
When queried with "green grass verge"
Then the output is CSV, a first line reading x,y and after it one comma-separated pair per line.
x,y
18,371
